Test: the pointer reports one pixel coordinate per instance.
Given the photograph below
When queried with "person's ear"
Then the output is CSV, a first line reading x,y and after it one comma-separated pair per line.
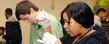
x,y
32,10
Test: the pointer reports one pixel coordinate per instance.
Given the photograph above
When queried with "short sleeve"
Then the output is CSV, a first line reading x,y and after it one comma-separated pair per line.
x,y
43,19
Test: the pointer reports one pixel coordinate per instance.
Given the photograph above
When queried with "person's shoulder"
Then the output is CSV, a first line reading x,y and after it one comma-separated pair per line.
x,y
66,39
98,28
11,19
97,38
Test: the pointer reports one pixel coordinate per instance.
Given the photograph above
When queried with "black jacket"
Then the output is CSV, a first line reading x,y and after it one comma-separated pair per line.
x,y
13,33
98,37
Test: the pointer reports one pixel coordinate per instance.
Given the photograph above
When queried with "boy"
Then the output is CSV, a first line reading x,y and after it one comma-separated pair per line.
x,y
41,21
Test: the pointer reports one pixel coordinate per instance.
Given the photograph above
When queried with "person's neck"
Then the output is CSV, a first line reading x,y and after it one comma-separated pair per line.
x,y
83,34
83,31
86,31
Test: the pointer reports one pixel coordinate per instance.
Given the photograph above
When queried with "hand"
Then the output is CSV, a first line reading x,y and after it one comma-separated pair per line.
x,y
50,39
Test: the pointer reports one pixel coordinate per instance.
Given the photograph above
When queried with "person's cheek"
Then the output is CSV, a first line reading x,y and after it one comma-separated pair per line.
x,y
66,26
32,19
71,26
72,30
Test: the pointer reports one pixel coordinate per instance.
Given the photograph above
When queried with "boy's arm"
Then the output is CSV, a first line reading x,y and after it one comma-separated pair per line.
x,y
58,42
50,39
48,29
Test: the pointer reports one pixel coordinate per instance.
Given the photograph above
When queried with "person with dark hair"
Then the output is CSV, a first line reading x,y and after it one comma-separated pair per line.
x,y
79,23
13,30
2,30
101,16
8,14
101,19
100,10
2,39
40,20
66,35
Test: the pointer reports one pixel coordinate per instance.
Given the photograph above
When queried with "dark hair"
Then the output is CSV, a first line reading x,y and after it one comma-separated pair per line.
x,y
23,8
62,22
101,10
8,11
2,28
81,13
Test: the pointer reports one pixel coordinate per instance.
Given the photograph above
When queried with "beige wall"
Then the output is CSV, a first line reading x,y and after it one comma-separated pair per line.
x,y
43,4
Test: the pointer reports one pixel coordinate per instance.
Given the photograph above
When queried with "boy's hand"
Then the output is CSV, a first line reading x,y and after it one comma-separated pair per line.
x,y
50,39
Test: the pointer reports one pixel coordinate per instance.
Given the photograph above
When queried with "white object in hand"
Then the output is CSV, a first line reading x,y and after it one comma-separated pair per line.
x,y
43,18
49,38
40,41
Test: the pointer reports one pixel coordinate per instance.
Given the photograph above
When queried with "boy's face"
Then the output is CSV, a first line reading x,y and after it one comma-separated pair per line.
x,y
29,17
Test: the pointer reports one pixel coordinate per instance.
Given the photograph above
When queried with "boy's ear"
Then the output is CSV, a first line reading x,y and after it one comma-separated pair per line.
x,y
32,10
